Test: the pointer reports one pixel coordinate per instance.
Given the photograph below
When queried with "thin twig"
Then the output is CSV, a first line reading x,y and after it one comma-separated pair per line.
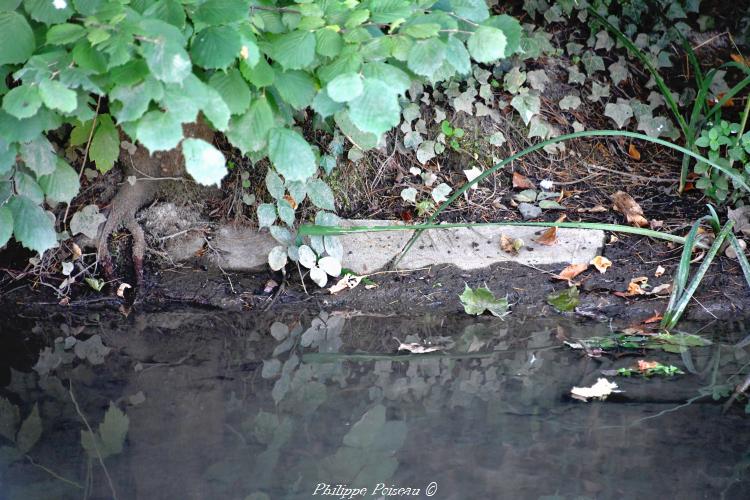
x,y
54,474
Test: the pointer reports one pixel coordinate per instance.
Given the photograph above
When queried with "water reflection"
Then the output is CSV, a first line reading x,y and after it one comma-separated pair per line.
x,y
193,404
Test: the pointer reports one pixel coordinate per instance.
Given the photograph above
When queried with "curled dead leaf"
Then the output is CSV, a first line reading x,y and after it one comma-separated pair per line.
x,y
633,152
548,237
121,289
520,181
572,271
659,271
510,245
349,281
634,287
75,250
633,212
644,365
593,210
601,263
664,288
653,319
290,199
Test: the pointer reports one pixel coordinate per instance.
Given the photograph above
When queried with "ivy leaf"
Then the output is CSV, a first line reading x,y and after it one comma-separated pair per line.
x,y
216,47
620,112
31,226
291,154
377,109
294,50
16,38
440,192
527,106
105,145
320,194
426,56
61,186
564,300
39,156
486,44
57,96
22,101
30,431
87,221
482,299
570,102
345,87
204,162
266,215
6,225
159,131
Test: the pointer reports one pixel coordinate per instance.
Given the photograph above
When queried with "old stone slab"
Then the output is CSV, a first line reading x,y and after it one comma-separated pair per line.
x,y
474,248
369,252
241,248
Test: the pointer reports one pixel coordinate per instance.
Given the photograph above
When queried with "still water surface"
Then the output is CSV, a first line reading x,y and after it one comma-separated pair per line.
x,y
194,404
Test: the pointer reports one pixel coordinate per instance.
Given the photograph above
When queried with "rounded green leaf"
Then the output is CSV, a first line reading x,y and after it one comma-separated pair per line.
x,y
328,42
22,101
291,154
250,131
266,215
486,44
6,225
57,96
61,34
473,10
345,87
16,38
426,56
167,60
221,11
295,50
458,56
31,226
204,162
60,186
159,131
216,47
233,89
377,109
320,194
296,87
105,145
47,11
39,156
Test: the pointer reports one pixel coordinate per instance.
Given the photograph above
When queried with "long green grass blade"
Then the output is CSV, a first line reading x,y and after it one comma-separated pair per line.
x,y
683,269
672,316
726,97
741,257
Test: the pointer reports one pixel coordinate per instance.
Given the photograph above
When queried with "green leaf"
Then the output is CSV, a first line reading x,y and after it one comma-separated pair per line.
x,y
291,154
564,300
6,230
261,75
105,145
320,194
388,11
328,42
216,109
14,130
31,226
325,106
45,11
216,47
87,221
487,44
57,96
396,78
39,156
296,88
295,50
426,56
30,431
345,87
377,109
233,89
274,184
363,140
512,30
170,11
110,436
266,215
16,38
482,299
27,186
61,34
286,212
458,56
221,11
527,106
159,131
204,162
135,99
473,10
22,101
250,131
89,58
8,153
165,54
61,186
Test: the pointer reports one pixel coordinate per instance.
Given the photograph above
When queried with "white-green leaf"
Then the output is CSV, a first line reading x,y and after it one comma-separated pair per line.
x,y
31,226
426,56
159,131
307,257
570,102
330,265
457,55
291,154
87,221
274,184
286,211
39,156
167,60
6,226
22,101
320,194
409,194
473,10
377,109
277,258
345,87
486,44
482,299
216,47
440,192
527,106
16,38
204,162
620,112
266,215
60,186
57,96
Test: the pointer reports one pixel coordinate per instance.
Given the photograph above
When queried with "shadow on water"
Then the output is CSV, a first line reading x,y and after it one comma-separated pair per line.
x,y
192,404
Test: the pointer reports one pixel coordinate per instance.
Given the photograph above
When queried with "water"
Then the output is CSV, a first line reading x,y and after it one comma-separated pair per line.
x,y
212,405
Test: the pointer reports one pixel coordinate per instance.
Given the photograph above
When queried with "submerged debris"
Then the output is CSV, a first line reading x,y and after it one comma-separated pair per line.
x,y
600,390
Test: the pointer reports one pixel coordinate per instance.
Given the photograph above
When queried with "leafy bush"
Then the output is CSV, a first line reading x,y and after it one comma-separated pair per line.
x,y
252,69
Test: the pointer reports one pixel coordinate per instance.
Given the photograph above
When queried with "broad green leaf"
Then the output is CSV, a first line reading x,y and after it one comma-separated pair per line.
x,y
216,109
216,47
87,221
16,38
473,10
291,154
13,129
345,87
39,156
164,51
261,75
204,162
421,30
159,131
47,11
249,132
325,106
30,431
6,230
221,11
286,211
426,57
457,55
169,11
27,186
295,50
57,96
296,88
184,100
89,58
564,300
8,153
266,215
320,194
349,61
233,89
486,44
133,100
377,109
363,140
482,299
105,145
396,78
110,437
274,184
328,42
512,30
31,226
61,186
61,34
388,11
22,101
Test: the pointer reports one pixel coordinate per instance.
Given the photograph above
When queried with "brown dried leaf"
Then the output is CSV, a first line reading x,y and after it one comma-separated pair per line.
x,y
510,245
290,199
75,251
633,212
522,182
633,152
644,365
548,237
601,263
593,210
572,271
634,287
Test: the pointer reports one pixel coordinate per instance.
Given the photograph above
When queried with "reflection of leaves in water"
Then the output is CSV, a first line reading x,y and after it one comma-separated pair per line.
x,y
271,368
367,455
9,418
92,350
279,331
30,431
110,436
324,333
47,361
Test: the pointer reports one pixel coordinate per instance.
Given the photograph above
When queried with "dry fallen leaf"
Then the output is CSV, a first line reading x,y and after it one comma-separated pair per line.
x,y
522,182
548,237
593,210
510,245
416,348
613,239
659,271
663,288
76,251
600,390
349,281
572,271
601,263
644,365
121,289
633,152
653,319
634,287
290,199
739,59
633,212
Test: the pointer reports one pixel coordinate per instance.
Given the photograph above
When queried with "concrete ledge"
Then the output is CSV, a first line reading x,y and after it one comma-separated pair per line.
x,y
369,252
241,249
